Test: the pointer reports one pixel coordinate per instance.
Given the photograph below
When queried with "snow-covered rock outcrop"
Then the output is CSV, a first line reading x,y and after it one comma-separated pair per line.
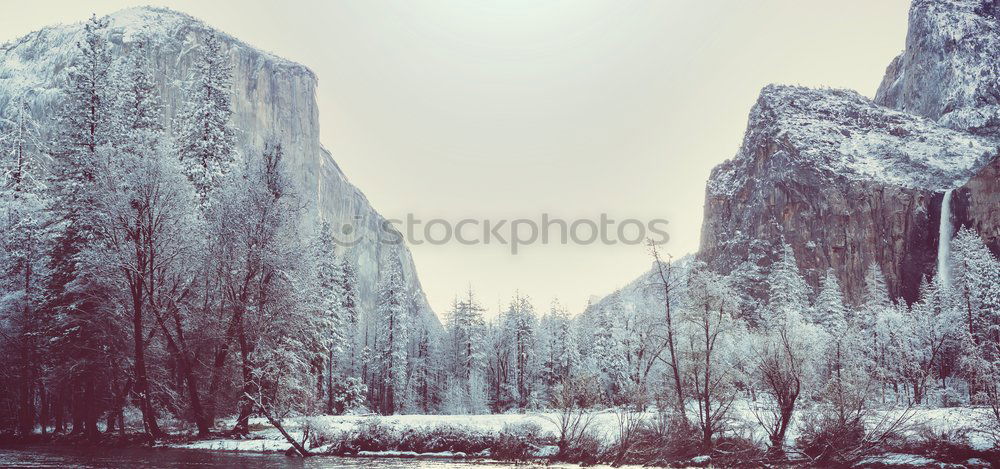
x,y
273,98
949,70
844,181
847,181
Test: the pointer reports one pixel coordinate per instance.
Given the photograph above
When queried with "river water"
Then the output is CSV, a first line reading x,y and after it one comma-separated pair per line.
x,y
92,458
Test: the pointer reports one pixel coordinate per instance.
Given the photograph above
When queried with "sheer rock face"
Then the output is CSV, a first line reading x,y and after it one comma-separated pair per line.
x,y
977,205
272,98
950,72
848,182
842,180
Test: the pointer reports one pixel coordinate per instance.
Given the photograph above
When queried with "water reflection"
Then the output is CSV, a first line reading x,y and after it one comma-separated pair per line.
x,y
94,458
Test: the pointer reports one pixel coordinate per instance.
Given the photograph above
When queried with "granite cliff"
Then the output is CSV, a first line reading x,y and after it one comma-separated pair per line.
x,y
272,98
847,181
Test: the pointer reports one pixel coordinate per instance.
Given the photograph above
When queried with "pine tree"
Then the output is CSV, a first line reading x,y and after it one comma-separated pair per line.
x,y
74,295
21,258
144,205
205,136
351,315
829,310
558,349
331,312
137,109
609,349
977,285
519,330
876,294
789,291
877,316
393,332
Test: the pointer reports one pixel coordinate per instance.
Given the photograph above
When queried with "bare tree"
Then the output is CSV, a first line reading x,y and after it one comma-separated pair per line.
x,y
709,355
666,275
781,367
573,420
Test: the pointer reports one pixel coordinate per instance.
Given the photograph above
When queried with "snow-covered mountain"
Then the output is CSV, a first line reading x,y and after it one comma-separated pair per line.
x,y
272,98
847,181
949,71
844,181
645,293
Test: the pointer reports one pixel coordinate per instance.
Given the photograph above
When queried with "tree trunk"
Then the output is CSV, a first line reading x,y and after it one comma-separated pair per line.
x,y
242,426
57,408
26,414
90,408
77,407
178,349
43,404
276,424
139,352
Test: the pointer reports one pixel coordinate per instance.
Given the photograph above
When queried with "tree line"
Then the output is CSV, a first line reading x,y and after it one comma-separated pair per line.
x,y
151,273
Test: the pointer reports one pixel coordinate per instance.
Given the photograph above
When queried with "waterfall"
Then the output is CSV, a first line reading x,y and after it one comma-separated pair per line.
x,y
944,240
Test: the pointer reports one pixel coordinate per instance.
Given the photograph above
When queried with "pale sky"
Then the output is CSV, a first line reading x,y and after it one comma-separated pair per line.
x,y
491,110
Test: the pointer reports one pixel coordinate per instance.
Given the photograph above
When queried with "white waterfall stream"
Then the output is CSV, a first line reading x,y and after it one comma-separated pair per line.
x,y
944,241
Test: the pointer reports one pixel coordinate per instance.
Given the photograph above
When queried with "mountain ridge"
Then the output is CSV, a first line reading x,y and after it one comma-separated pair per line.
x,y
272,98
848,181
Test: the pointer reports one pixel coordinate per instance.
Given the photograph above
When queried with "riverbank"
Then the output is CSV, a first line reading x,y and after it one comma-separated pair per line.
x,y
930,436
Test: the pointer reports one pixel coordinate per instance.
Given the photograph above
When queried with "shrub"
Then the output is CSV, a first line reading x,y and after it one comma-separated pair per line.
x,y
371,435
348,394
831,439
516,442
823,438
442,438
949,445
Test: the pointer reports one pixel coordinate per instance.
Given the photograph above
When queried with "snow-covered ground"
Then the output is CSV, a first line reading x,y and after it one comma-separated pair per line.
x,y
267,438
604,426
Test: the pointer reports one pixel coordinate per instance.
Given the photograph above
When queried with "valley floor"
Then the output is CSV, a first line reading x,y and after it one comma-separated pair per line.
x,y
327,431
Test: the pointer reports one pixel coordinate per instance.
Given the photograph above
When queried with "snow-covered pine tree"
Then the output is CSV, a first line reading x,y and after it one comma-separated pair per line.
x,y
789,292
136,108
558,349
422,392
876,295
521,324
21,259
74,295
876,315
467,354
352,317
205,136
331,312
977,285
146,209
609,348
829,310
393,322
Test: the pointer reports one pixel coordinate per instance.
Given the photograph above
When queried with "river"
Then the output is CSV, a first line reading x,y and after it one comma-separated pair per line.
x,y
94,458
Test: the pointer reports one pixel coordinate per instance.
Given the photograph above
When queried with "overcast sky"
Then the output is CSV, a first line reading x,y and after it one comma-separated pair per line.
x,y
499,110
